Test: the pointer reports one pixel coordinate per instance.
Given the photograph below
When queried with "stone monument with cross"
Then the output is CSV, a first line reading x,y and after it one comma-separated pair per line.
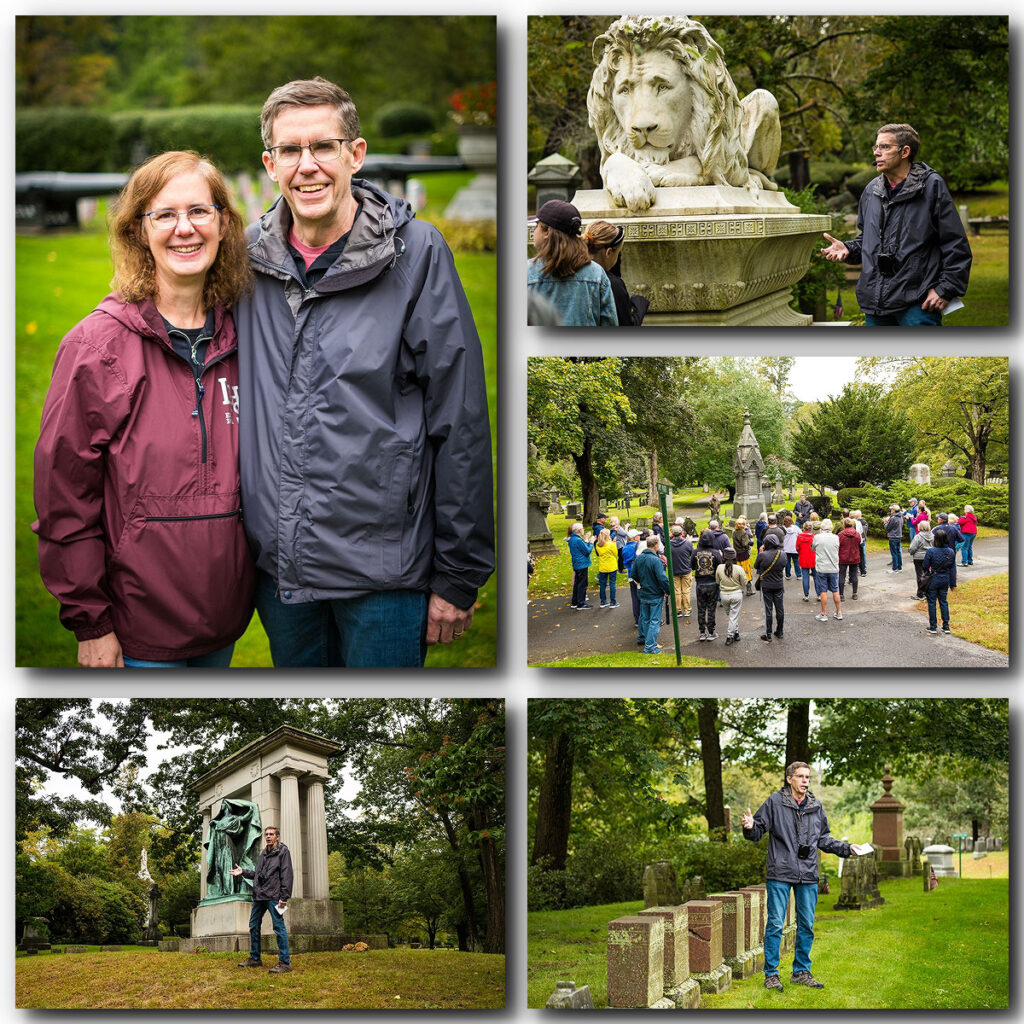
x,y
283,775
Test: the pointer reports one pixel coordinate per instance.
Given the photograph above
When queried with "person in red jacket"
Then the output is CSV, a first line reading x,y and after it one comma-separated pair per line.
x,y
136,468
969,528
805,559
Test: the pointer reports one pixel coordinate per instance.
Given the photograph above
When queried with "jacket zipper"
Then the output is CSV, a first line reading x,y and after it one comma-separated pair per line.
x,y
186,519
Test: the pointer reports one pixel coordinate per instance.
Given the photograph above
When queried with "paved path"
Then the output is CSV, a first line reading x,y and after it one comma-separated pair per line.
x,y
883,628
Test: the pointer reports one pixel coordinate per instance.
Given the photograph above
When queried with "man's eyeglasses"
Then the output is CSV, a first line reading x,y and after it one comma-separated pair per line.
x,y
883,148
322,151
201,213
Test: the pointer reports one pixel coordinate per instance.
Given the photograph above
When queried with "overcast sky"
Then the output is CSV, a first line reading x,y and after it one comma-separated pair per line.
x,y
815,378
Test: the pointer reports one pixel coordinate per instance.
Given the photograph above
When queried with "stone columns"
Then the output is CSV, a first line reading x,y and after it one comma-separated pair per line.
x,y
705,928
734,932
636,962
679,986
316,845
753,907
291,824
202,853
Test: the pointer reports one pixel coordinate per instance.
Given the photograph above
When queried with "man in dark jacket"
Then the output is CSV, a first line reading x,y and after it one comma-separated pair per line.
x,y
796,824
271,888
682,567
803,509
653,584
911,245
365,445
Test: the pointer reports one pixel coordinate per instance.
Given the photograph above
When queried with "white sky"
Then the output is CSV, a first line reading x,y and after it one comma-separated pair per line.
x,y
815,378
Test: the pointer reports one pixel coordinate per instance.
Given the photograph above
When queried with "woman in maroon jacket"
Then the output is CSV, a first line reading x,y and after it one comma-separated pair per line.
x,y
969,528
849,556
136,468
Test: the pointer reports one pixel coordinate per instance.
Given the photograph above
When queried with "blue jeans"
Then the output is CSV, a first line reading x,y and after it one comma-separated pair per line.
x,y
792,563
915,316
607,579
863,558
215,659
778,900
808,575
382,630
649,624
938,593
259,908
896,552
967,551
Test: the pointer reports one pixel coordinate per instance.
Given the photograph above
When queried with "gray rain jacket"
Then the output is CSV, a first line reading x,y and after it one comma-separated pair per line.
x,y
923,229
273,877
365,446
790,826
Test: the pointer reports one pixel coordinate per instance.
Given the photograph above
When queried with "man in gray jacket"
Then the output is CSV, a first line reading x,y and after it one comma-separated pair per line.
x,y
797,827
365,445
911,243
272,882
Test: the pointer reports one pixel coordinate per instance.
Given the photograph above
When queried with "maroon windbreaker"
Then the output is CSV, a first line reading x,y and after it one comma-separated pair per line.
x,y
137,489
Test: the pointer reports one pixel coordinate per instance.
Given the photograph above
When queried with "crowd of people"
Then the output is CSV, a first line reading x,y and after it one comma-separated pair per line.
x,y
713,569
575,278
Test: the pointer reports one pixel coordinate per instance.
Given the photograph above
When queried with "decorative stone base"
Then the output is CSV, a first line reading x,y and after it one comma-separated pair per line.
x,y
895,868
664,1003
717,980
313,926
708,255
169,945
685,996
769,311
743,966
568,997
789,936
863,902
758,954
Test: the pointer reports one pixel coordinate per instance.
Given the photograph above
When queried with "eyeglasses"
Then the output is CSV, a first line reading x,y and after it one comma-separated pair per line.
x,y
322,151
883,148
201,213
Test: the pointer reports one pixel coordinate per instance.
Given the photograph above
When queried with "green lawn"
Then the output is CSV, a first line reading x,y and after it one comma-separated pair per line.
x,y
61,277
946,949
377,979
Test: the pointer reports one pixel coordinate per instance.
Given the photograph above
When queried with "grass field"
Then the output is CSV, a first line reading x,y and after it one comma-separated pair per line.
x,y
61,277
946,949
394,979
979,611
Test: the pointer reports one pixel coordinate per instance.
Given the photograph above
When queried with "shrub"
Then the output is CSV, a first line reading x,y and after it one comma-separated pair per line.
x,y
991,504
723,866
75,914
856,183
122,912
809,293
595,873
179,894
829,175
822,504
404,118
58,139
469,235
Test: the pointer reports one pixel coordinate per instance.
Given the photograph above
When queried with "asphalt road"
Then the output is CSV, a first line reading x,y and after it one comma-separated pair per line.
x,y
883,628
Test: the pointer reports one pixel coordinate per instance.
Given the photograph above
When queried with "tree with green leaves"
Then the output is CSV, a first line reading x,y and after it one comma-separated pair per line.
x,y
853,437
571,403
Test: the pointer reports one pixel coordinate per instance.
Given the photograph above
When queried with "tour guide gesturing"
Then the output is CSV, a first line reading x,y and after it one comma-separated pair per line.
x,y
271,887
795,820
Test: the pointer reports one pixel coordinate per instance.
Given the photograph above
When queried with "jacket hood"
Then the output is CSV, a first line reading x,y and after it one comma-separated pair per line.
x,y
144,319
771,540
810,801
913,183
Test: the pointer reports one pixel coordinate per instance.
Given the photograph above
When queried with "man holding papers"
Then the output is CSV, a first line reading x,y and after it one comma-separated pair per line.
x,y
796,823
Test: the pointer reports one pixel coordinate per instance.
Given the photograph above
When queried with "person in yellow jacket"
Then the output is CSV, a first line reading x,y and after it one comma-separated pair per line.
x,y
607,567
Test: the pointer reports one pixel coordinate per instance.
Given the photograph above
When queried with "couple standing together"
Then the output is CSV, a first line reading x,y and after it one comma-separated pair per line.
x,y
346,418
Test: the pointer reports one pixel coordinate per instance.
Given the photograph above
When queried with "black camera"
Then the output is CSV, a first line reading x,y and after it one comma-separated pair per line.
x,y
803,851
888,263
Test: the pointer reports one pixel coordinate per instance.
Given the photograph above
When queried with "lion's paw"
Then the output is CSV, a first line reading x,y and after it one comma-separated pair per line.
x,y
628,183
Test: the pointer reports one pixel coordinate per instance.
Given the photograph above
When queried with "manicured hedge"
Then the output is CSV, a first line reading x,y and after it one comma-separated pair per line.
x,y
991,504
58,139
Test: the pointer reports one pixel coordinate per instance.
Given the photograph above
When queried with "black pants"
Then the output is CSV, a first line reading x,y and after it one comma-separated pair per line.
x,y
772,599
922,583
854,572
579,587
707,604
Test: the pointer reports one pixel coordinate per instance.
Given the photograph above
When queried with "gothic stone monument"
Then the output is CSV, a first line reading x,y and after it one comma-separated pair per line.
x,y
275,780
710,239
748,469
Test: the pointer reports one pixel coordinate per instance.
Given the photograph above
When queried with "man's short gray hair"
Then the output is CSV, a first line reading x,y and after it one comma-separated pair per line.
x,y
310,92
791,768
904,134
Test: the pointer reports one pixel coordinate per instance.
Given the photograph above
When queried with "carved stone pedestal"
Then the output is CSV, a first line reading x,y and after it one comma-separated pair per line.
x,y
713,254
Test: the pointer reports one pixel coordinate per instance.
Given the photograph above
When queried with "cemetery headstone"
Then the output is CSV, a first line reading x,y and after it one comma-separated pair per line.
x,y
35,935
636,964
568,997
661,888
679,986
706,963
734,933
940,857
920,473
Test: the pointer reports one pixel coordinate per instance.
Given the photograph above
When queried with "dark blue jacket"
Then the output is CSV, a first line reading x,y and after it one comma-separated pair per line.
x,y
682,555
924,231
938,566
790,826
650,575
273,877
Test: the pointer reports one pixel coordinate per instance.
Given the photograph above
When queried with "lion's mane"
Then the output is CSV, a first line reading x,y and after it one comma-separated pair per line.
x,y
714,135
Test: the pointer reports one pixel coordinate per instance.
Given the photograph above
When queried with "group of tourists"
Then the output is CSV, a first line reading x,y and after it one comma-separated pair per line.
x,y
718,568
575,279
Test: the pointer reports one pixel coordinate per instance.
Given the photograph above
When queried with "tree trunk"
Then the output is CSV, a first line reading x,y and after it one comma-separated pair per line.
x,y
494,886
652,478
798,727
465,885
977,467
711,758
463,936
588,483
554,805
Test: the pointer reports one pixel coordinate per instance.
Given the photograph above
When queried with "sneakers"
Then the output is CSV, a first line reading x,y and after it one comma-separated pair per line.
x,y
657,650
838,615
855,596
703,636
767,639
821,617
778,633
728,641
614,604
283,968
584,607
805,978
773,981
932,632
806,598
251,962
711,636
945,629
604,604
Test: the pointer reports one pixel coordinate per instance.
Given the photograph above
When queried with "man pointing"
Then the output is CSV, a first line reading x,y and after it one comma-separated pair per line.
x,y
271,887
796,823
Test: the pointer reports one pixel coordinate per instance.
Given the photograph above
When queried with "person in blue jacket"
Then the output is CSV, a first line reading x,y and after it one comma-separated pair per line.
x,y
797,828
652,582
579,550
938,575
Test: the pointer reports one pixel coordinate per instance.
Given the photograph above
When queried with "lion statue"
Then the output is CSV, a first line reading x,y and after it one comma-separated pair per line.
x,y
666,112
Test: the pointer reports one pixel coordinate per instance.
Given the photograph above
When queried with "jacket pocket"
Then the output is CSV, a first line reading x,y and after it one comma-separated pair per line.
x,y
182,577
399,461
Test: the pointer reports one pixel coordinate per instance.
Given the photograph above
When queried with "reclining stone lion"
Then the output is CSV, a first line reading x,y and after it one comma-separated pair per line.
x,y
666,112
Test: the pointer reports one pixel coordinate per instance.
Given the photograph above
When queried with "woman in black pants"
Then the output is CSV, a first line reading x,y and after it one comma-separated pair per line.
x,y
770,568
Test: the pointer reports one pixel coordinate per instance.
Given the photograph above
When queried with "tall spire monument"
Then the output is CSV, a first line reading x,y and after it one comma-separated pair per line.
x,y
748,469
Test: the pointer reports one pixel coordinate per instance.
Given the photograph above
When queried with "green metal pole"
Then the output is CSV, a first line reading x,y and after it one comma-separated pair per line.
x,y
663,495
